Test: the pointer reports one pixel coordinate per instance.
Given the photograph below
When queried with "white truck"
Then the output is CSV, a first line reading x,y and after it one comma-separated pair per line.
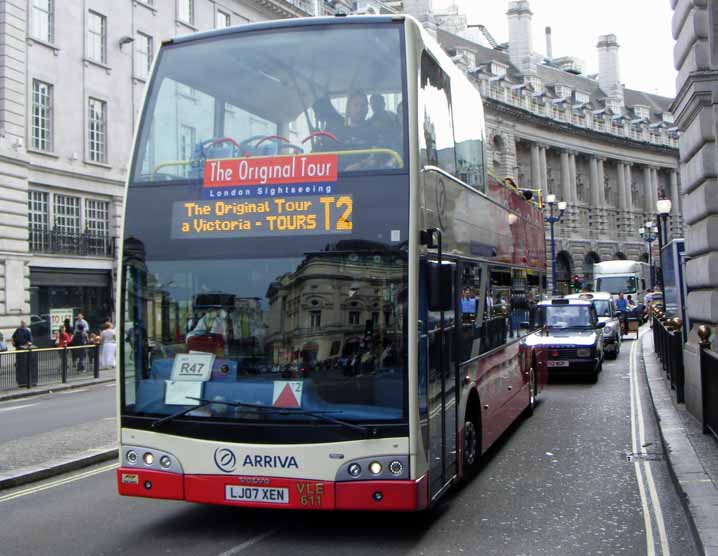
x,y
629,277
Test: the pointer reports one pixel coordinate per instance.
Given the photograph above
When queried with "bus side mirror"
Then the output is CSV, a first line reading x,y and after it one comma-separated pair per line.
x,y
440,286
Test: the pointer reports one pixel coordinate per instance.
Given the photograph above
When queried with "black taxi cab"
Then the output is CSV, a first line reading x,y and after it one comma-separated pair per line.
x,y
607,313
572,336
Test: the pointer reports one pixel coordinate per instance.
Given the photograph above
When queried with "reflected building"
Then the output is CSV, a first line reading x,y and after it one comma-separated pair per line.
x,y
338,306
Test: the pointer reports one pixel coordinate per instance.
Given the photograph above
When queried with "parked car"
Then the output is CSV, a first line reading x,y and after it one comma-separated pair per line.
x,y
571,335
607,312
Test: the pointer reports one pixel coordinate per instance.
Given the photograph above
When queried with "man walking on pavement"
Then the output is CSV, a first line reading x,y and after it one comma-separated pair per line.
x,y
80,320
22,340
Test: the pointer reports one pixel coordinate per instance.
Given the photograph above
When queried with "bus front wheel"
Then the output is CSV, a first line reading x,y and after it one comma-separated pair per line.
x,y
471,445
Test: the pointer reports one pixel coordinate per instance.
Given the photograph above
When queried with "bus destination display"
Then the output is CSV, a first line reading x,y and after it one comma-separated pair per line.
x,y
313,215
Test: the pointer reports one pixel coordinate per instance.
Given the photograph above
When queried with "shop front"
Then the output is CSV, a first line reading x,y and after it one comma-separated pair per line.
x,y
60,293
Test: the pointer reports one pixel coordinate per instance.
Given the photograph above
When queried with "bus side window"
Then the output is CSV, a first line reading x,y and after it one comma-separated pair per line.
x,y
497,325
469,297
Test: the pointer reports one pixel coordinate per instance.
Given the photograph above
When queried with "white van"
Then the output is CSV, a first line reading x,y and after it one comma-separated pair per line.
x,y
629,277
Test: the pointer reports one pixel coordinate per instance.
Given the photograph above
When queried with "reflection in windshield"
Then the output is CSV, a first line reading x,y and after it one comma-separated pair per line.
x,y
329,324
270,94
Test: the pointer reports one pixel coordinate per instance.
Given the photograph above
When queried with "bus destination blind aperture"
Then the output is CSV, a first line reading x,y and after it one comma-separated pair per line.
x,y
316,215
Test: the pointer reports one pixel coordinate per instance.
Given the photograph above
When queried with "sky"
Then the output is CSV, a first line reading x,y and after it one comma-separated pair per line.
x,y
642,27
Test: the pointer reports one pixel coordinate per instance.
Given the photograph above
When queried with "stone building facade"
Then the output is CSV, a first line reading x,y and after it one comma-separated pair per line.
x,y
608,151
72,80
695,28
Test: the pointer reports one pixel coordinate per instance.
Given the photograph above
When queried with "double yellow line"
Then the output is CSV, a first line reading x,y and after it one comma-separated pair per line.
x,y
59,482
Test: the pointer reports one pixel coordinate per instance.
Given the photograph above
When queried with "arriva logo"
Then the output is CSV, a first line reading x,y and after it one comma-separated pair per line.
x,y
270,462
225,459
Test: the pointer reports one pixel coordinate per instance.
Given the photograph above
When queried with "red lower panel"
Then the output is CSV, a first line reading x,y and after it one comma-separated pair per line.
x,y
275,492
381,495
260,492
150,484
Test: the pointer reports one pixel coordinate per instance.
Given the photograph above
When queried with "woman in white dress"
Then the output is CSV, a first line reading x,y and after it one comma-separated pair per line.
x,y
108,346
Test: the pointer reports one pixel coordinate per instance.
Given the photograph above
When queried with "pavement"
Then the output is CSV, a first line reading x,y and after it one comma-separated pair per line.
x,y
47,454
692,455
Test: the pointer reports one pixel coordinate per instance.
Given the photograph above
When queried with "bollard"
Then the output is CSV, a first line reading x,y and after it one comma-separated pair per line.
x,y
97,361
63,364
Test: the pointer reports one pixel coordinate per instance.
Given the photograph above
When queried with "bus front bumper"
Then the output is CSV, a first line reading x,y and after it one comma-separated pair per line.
x,y
274,492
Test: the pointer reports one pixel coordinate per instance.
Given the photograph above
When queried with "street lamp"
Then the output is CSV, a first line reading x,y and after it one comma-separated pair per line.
x,y
649,234
663,207
551,219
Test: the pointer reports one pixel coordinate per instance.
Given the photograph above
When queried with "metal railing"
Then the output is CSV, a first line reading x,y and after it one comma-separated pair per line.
x,y
709,382
40,366
83,244
668,343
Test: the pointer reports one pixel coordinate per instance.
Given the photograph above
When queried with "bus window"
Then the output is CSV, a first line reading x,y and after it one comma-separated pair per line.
x,y
496,328
259,95
436,142
469,136
470,335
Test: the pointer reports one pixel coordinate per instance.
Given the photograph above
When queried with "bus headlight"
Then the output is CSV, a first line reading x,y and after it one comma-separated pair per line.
x,y
396,467
354,469
148,458
375,468
131,457
165,462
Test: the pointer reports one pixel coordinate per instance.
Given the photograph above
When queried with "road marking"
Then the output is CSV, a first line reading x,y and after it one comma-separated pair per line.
x,y
17,407
249,542
638,437
53,484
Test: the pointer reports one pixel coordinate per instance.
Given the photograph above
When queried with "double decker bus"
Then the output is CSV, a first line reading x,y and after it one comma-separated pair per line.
x,y
323,300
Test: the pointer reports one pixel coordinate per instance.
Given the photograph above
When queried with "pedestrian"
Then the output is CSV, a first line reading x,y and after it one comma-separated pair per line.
x,y
80,320
3,345
108,346
79,338
68,327
63,337
22,340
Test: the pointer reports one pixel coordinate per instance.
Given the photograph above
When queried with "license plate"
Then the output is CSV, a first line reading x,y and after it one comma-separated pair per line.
x,y
266,495
558,363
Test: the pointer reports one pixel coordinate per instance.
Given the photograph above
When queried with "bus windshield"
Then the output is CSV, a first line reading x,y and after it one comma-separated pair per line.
x,y
285,92
265,246
616,284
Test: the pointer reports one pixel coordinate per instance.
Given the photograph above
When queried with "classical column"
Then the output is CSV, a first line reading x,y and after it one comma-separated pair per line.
x,y
535,167
601,194
565,178
654,189
629,198
572,177
593,177
648,190
543,169
675,205
621,212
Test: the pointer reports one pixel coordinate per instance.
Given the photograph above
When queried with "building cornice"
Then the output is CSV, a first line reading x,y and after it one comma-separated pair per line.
x,y
553,125
75,175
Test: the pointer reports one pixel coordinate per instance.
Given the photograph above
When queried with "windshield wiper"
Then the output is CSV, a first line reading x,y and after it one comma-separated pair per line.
x,y
366,431
163,420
